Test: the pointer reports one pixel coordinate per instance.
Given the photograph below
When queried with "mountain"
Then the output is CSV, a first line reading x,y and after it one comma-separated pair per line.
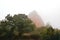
x,y
37,20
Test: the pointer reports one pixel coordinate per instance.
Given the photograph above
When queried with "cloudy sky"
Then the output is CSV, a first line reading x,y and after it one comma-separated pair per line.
x,y
49,10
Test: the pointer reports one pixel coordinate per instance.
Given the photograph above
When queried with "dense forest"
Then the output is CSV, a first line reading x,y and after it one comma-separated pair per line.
x,y
20,27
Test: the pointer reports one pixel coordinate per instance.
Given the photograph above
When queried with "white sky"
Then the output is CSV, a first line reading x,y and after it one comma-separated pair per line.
x,y
49,10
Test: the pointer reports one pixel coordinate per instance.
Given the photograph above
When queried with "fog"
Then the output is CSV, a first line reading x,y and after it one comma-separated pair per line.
x,y
49,10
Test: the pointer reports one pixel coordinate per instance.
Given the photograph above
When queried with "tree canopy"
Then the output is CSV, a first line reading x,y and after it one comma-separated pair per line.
x,y
16,25
14,28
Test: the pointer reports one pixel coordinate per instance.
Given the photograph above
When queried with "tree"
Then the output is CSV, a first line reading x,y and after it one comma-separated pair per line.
x,y
46,32
15,26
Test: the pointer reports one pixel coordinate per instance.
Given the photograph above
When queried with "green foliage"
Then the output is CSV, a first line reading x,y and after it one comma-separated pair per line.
x,y
15,26
20,27
47,33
